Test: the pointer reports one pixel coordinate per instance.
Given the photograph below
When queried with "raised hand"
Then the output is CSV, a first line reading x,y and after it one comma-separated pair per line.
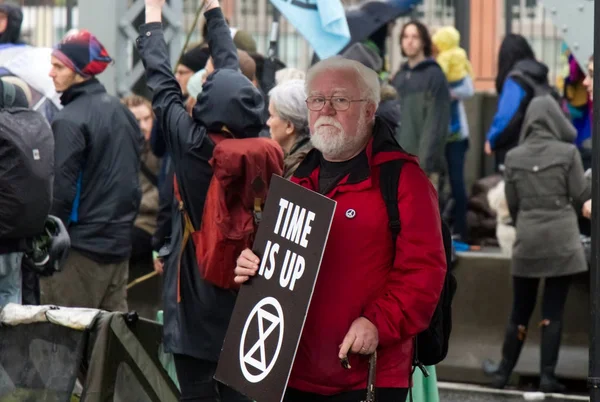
x,y
154,3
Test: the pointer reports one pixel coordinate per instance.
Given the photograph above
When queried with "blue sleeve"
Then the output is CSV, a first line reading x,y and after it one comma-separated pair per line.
x,y
508,105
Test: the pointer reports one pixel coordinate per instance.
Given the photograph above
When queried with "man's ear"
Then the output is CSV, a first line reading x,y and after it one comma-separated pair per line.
x,y
370,110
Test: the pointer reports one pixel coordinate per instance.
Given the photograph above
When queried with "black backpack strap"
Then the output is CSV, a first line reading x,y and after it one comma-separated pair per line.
x,y
389,178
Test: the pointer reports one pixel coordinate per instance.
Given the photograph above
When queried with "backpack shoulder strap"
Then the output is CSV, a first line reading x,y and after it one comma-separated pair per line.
x,y
389,179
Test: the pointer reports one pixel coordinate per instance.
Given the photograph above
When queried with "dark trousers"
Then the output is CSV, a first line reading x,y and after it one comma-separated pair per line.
x,y
381,395
455,157
525,295
197,384
141,246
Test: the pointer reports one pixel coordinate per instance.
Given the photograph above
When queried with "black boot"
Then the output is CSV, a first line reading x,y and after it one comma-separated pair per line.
x,y
511,349
551,334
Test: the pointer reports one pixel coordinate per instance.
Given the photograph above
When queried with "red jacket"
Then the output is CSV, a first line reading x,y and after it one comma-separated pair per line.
x,y
360,277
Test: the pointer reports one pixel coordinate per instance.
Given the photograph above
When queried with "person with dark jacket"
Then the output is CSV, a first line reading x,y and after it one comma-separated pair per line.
x,y
518,73
424,101
545,189
11,18
393,289
196,313
96,186
11,251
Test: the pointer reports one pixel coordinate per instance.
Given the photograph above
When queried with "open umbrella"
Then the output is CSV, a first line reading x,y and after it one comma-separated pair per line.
x,y
370,16
32,65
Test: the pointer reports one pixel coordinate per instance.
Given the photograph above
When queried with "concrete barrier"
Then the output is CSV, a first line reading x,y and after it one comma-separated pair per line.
x,y
481,309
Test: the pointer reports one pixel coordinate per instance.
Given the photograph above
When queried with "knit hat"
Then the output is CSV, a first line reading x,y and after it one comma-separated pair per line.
x,y
243,40
83,53
195,59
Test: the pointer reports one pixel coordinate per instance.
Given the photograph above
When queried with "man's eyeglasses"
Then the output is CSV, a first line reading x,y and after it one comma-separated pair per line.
x,y
339,103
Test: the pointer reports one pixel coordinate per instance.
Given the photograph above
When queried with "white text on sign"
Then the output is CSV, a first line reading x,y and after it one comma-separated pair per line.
x,y
294,224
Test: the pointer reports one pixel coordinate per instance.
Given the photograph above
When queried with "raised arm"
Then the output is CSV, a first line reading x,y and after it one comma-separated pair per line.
x,y
179,130
220,42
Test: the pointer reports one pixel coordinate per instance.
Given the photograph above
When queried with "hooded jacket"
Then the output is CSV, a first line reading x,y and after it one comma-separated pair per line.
x,y
452,58
425,110
12,33
195,322
516,94
545,189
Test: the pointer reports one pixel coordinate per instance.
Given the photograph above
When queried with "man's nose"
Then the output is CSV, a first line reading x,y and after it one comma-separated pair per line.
x,y
328,109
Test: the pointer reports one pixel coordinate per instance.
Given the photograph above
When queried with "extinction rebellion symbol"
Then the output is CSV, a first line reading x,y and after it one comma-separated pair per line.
x,y
264,332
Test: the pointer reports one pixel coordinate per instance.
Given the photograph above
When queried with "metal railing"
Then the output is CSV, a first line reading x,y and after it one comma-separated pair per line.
x,y
46,21
255,16
532,20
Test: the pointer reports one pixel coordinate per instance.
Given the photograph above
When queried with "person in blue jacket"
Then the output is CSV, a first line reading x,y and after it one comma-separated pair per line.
x,y
519,75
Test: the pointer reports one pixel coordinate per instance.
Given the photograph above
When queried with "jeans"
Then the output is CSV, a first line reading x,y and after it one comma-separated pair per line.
x,y
455,157
10,278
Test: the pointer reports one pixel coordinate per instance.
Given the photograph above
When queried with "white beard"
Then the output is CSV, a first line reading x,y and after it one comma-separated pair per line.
x,y
333,141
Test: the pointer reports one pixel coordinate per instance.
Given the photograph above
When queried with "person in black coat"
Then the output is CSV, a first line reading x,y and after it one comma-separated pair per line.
x,y
196,313
96,183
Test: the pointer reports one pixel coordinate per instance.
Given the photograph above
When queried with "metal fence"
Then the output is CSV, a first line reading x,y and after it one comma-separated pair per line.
x,y
255,16
532,20
46,21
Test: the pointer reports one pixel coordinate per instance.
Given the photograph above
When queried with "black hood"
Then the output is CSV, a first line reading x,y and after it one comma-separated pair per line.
x,y
13,28
230,99
534,69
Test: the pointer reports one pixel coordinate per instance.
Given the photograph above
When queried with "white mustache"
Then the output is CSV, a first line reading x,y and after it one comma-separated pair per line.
x,y
326,120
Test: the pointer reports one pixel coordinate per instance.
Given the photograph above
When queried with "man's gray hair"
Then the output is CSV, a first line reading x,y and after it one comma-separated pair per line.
x,y
368,80
289,101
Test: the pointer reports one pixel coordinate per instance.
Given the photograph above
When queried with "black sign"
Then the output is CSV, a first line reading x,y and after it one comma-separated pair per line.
x,y
271,308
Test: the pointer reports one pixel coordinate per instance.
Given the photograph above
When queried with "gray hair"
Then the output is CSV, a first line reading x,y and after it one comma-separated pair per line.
x,y
368,80
289,101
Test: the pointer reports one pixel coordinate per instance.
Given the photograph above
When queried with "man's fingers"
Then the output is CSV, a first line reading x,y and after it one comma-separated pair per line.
x,y
241,271
249,261
346,345
250,256
239,279
358,346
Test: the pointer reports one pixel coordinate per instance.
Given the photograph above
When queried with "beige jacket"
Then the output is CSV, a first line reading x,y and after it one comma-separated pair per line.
x,y
146,219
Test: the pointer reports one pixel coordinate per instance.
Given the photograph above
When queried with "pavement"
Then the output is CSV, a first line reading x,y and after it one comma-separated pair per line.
x,y
450,392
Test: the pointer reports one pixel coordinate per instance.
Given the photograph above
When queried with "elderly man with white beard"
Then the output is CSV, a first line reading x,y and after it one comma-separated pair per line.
x,y
371,294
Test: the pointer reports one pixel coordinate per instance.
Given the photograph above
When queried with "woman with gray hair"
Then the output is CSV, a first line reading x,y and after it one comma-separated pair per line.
x,y
288,123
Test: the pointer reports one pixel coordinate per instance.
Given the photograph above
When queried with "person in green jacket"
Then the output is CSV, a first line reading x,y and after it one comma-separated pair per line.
x,y
424,101
423,130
